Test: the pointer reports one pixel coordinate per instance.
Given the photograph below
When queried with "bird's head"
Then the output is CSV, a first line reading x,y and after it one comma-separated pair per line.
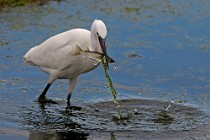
x,y
99,30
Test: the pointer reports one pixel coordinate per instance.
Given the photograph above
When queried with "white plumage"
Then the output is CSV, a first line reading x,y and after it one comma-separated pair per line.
x,y
60,56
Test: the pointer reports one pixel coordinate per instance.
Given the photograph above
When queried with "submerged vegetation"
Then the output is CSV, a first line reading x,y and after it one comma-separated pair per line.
x,y
164,118
13,3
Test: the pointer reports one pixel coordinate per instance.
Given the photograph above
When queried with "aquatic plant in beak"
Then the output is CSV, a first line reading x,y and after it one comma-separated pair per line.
x,y
114,92
105,59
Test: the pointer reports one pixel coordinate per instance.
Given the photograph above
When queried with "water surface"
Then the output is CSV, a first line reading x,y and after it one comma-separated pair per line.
x,y
161,50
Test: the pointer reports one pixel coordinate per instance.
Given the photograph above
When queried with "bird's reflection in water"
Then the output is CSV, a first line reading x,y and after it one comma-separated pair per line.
x,y
58,136
57,122
54,124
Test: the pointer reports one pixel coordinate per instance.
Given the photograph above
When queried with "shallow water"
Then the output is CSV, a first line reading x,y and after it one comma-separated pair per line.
x,y
143,115
161,50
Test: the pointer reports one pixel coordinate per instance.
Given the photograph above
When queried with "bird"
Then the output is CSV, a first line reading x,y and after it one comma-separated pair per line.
x,y
62,55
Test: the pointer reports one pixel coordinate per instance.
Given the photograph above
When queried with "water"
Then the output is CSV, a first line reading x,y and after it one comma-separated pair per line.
x,y
161,49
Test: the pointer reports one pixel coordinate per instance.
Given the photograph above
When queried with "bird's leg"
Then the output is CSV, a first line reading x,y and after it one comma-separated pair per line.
x,y
72,84
69,107
43,99
68,99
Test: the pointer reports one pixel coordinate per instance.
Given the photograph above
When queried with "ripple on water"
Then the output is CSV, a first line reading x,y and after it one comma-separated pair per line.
x,y
142,115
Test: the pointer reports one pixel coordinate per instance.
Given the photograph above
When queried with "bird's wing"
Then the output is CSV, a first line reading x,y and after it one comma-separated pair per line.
x,y
56,52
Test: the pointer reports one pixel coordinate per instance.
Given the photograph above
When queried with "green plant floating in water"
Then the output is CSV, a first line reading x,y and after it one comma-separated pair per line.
x,y
164,118
114,92
13,3
122,119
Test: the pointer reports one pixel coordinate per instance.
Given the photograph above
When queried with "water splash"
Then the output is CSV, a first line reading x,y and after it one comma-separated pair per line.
x,y
137,115
169,105
115,66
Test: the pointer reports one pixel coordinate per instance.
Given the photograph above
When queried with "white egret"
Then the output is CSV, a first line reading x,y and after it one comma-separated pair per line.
x,y
69,54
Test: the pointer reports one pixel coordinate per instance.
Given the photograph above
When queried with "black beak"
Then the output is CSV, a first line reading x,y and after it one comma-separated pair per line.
x,y
103,45
103,48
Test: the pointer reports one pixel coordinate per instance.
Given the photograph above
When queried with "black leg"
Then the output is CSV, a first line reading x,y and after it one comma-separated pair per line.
x,y
69,106
68,99
42,98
